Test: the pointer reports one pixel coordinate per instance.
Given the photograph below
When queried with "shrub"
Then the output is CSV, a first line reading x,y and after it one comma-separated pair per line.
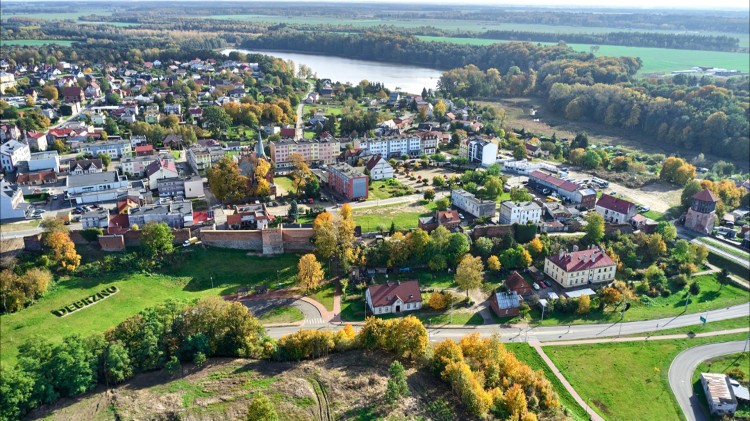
x,y
679,281
91,234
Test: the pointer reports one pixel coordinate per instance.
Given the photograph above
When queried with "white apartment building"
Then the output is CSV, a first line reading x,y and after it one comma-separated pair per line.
x,y
482,151
12,153
379,168
12,205
392,146
520,212
471,204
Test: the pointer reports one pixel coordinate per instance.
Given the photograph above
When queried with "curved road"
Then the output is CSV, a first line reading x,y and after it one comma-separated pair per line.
x,y
310,312
555,333
681,374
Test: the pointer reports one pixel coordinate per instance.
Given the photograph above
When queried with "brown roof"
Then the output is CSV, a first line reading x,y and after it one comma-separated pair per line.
x,y
386,294
705,195
517,283
581,260
373,161
614,204
448,217
44,176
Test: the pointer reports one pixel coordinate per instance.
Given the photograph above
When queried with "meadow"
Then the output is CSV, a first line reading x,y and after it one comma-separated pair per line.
x,y
35,42
194,274
655,60
641,381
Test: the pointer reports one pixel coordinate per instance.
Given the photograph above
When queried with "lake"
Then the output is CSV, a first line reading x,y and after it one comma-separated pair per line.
x,y
409,79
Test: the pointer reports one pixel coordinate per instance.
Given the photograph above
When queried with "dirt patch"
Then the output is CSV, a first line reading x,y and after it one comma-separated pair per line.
x,y
349,385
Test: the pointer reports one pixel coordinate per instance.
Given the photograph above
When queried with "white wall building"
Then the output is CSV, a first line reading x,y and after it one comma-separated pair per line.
x,y
394,297
580,268
12,153
471,204
482,151
49,160
12,204
719,394
520,212
392,146
379,168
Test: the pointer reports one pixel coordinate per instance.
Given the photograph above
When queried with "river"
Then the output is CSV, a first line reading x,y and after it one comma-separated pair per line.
x,y
410,79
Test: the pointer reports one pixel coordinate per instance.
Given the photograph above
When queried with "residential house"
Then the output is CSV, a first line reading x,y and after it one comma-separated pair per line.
x,y
482,151
13,153
173,141
447,218
520,212
378,168
518,284
173,109
615,210
95,218
174,214
37,141
37,178
115,149
580,267
719,394
137,141
92,90
201,158
535,151
472,205
505,304
643,224
159,169
73,94
394,297
348,181
429,141
249,217
12,204
85,166
9,131
49,160
180,187
145,150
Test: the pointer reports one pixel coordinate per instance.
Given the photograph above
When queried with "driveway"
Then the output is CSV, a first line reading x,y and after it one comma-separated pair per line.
x,y
311,313
681,374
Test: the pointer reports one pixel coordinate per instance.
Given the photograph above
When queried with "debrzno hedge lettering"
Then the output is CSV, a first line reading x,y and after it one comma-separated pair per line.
x,y
92,299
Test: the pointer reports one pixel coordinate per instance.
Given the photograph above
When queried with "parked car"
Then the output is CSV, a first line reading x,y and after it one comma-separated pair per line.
x,y
536,286
55,197
36,216
613,193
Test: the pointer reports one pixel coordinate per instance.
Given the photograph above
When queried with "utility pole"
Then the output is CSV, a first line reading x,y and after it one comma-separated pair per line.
x,y
687,300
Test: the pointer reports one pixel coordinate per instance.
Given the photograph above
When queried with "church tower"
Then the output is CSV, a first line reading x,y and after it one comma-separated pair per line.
x,y
702,213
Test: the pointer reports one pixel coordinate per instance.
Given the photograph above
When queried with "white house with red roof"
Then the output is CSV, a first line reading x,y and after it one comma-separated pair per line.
x,y
379,168
394,297
580,267
160,168
615,210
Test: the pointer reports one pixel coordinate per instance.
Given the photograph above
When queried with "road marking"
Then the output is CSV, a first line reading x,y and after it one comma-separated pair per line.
x,y
315,321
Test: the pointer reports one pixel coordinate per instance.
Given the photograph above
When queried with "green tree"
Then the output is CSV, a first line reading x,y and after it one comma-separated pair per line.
x,y
173,366
117,367
442,204
690,190
519,151
397,386
226,180
261,409
483,247
493,186
216,120
106,159
469,273
50,92
594,228
429,194
695,289
457,246
667,231
156,239
520,194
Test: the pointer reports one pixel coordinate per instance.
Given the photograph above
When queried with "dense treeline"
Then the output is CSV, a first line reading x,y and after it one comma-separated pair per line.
x,y
408,49
706,119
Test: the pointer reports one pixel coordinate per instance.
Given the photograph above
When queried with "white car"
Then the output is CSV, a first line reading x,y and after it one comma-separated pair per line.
x,y
536,286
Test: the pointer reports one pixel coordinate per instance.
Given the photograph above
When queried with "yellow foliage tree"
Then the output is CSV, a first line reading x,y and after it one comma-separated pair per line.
x,y
469,273
493,263
62,250
535,247
326,235
584,304
310,273
514,402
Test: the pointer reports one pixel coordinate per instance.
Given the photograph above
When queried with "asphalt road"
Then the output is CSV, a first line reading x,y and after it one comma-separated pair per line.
x,y
681,374
556,333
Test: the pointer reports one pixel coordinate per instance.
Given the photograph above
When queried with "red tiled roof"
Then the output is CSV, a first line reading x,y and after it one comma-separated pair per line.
x,y
705,195
582,260
386,294
144,148
46,176
372,162
615,204
557,182
118,224
448,217
517,283
159,164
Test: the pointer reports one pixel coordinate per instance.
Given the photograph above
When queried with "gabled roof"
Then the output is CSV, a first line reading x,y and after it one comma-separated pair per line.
x,y
159,164
615,204
387,294
516,282
85,164
373,162
705,195
581,260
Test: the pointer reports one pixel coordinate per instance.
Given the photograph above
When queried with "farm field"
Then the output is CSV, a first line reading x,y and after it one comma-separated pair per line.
x,y
452,25
641,380
34,42
655,60
190,279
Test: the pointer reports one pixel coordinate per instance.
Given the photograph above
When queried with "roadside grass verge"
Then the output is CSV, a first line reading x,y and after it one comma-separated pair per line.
x,y
283,314
620,380
324,295
734,251
737,323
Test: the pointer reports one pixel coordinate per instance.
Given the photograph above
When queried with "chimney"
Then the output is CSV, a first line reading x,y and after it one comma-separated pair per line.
x,y
575,248
593,257
585,258
562,253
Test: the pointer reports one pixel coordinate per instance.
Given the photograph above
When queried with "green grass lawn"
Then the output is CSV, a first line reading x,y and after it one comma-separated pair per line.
x,y
176,154
385,189
35,42
19,226
327,109
283,314
711,297
324,295
285,183
83,11
308,135
35,198
370,218
353,310
655,60
722,364
656,216
190,277
622,380
527,354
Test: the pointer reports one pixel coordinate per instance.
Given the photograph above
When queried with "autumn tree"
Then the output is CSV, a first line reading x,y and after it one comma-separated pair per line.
x,y
676,170
261,409
326,235
429,194
493,263
156,239
310,273
442,204
226,181
61,250
469,273
583,304
50,92
594,228
216,120
259,185
514,402
300,173
610,296
535,247
520,194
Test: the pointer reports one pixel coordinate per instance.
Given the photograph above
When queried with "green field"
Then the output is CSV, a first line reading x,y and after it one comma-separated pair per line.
x,y
335,110
285,183
655,60
404,217
725,247
527,354
621,380
53,16
324,295
34,42
712,296
385,189
190,278
283,314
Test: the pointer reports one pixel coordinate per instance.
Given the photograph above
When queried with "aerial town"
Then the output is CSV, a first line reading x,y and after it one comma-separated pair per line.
x,y
220,223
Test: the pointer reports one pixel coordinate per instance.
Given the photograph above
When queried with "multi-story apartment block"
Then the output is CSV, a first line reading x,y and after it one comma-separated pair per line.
x,y
580,268
472,205
201,158
429,141
391,146
348,181
482,151
174,214
520,212
115,149
318,151
136,166
12,153
12,205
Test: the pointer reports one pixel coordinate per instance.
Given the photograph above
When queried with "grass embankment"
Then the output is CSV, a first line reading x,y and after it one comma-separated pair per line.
x,y
627,380
190,277
527,354
734,251
19,226
324,295
283,314
712,296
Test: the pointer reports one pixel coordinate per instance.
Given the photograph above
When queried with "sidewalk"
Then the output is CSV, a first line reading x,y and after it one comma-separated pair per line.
x,y
538,347
646,338
336,303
